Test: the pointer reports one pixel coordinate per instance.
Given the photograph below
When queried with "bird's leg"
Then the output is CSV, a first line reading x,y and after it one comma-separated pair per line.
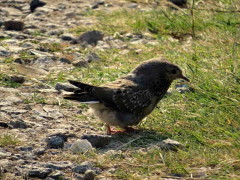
x,y
108,129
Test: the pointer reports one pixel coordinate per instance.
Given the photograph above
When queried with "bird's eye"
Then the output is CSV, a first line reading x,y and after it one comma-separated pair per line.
x,y
174,71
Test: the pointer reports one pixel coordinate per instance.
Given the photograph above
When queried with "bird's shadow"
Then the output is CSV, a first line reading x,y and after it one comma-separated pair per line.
x,y
140,139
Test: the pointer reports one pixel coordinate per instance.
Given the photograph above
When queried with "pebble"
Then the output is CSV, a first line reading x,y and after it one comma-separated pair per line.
x,y
14,25
39,172
55,142
35,4
91,37
64,60
180,3
16,78
80,63
81,146
83,167
18,124
89,175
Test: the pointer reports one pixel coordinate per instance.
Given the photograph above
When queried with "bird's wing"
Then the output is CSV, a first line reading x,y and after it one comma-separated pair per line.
x,y
132,99
121,94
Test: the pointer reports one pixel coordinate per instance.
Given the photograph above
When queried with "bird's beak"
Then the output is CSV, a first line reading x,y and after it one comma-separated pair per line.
x,y
185,78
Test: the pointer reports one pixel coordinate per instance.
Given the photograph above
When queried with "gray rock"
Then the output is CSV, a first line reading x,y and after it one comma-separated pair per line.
x,y
65,86
80,63
39,151
83,167
18,124
89,175
14,25
64,60
35,4
25,148
39,172
4,52
81,146
169,144
58,165
180,3
97,140
55,142
15,78
4,125
96,4
67,37
91,37
55,32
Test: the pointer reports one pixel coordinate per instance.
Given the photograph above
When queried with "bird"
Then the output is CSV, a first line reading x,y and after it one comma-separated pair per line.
x,y
129,99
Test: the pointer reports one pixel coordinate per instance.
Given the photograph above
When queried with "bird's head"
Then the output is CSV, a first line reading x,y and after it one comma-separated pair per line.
x,y
158,69
173,72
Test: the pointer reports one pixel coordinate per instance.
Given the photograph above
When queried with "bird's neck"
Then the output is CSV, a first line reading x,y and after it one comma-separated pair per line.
x,y
160,87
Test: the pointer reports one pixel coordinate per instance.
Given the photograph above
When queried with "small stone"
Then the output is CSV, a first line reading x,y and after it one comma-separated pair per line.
x,y
83,167
4,52
65,86
14,25
94,5
97,140
55,142
89,175
64,60
81,146
25,148
67,37
55,32
35,4
169,144
16,78
38,172
4,125
18,124
91,37
80,63
180,3
39,151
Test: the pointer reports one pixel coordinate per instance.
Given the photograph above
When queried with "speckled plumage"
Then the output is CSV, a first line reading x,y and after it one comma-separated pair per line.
x,y
126,101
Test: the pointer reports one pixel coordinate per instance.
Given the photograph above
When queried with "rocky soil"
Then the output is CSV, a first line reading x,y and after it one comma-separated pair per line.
x,y
32,113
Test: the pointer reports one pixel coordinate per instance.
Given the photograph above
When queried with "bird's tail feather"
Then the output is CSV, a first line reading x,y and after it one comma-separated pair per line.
x,y
82,97
82,86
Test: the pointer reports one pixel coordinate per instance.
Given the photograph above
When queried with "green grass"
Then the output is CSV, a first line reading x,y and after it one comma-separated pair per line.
x,y
7,140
